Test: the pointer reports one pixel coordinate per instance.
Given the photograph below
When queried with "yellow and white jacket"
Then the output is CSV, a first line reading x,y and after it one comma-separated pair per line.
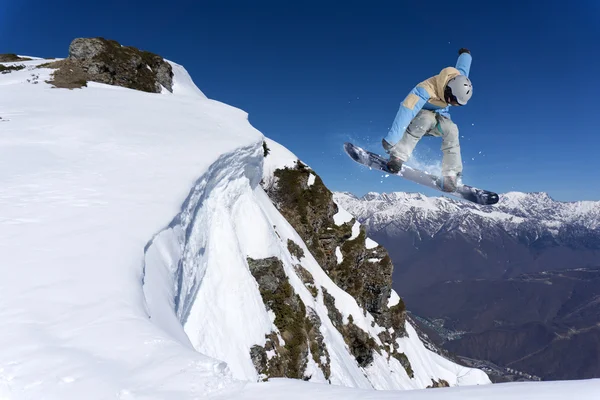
x,y
428,95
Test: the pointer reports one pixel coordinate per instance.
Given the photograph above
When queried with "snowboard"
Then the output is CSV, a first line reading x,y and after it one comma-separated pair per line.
x,y
465,192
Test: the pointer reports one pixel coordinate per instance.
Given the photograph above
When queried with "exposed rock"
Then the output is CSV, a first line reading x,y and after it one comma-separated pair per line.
x,y
304,275
388,343
307,279
290,319
86,49
367,281
310,211
106,61
295,249
366,274
266,149
7,70
164,73
438,384
268,272
332,312
405,363
360,343
258,354
397,316
318,348
12,58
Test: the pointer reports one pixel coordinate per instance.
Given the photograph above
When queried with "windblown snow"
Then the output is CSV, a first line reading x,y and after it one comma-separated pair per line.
x,y
126,219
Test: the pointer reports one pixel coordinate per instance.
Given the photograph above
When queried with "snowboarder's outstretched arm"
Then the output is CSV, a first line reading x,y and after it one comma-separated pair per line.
x,y
463,64
409,108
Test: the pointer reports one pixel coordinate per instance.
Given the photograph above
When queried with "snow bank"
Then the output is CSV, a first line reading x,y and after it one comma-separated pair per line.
x,y
370,243
342,217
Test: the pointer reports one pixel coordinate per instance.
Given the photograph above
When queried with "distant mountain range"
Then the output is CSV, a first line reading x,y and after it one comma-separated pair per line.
x,y
433,240
517,283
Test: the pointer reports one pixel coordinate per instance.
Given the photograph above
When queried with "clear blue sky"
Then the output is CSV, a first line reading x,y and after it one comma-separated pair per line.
x,y
312,75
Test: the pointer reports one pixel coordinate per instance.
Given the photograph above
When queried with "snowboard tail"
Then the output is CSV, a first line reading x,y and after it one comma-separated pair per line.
x,y
465,192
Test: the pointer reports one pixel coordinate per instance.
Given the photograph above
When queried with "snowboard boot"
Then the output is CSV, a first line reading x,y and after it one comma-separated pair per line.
x,y
449,184
394,164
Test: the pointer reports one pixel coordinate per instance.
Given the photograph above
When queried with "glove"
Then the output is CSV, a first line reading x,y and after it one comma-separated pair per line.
x,y
463,50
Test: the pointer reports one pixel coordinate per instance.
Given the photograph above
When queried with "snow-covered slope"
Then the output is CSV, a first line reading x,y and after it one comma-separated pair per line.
x,y
87,179
290,390
126,220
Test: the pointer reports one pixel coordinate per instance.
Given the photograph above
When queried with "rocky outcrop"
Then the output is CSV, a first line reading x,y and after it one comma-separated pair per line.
x,y
7,70
307,279
403,359
107,61
297,326
6,58
360,344
295,250
365,273
438,384
316,341
12,58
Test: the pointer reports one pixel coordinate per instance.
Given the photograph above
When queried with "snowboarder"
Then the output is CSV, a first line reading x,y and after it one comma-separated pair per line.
x,y
425,112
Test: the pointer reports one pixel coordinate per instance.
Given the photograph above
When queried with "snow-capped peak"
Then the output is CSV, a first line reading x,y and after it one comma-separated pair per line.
x,y
514,211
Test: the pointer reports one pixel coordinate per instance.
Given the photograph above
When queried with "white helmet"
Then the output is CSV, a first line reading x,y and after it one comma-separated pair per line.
x,y
458,90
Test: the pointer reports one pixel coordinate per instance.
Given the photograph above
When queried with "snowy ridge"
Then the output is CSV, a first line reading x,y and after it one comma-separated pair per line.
x,y
514,212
